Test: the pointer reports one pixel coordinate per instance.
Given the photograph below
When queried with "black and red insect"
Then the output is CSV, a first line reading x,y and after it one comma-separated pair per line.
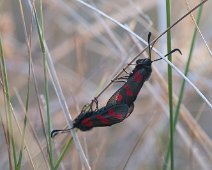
x,y
106,116
128,93
121,103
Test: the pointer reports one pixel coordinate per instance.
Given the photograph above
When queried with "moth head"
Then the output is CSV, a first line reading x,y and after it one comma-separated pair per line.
x,y
144,62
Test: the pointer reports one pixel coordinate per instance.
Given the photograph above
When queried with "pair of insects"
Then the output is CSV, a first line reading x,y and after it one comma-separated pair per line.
x,y
121,103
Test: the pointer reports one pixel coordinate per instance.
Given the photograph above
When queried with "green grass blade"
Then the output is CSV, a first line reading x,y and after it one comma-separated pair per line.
x,y
64,151
23,136
41,37
59,93
187,66
168,20
7,143
7,102
26,111
176,115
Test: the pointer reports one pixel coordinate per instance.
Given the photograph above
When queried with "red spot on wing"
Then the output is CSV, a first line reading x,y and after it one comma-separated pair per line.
x,y
118,97
112,113
87,122
102,119
137,76
126,86
128,91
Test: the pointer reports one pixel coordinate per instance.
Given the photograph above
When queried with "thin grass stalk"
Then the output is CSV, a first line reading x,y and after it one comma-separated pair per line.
x,y
27,102
31,130
41,18
110,33
28,41
197,132
20,130
62,155
7,142
58,90
46,86
49,115
198,29
25,117
59,93
176,115
47,109
45,66
7,103
39,106
6,129
8,134
182,88
169,47
41,39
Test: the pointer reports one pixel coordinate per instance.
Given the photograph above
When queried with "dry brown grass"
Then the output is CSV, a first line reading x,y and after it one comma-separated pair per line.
x,y
88,51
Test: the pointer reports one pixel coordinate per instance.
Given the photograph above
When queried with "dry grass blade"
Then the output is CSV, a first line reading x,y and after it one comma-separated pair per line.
x,y
194,128
151,124
7,142
59,93
193,19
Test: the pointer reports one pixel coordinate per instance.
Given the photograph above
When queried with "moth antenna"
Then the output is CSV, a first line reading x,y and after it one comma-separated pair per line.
x,y
172,51
125,71
149,36
150,46
58,131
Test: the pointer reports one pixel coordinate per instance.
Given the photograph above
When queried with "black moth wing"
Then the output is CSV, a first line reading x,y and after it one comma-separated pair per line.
x,y
106,116
82,116
127,94
112,115
119,97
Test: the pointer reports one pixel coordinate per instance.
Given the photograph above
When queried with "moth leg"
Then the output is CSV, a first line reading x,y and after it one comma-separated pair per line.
x,y
123,77
118,81
84,108
95,100
87,108
125,71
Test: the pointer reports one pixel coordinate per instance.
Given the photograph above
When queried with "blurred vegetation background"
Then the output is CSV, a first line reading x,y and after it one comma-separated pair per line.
x,y
88,51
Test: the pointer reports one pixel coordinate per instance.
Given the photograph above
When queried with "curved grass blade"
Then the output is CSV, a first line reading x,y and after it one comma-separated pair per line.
x,y
176,115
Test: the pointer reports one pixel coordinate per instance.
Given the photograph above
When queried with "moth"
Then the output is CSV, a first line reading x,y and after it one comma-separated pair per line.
x,y
121,103
106,116
128,92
